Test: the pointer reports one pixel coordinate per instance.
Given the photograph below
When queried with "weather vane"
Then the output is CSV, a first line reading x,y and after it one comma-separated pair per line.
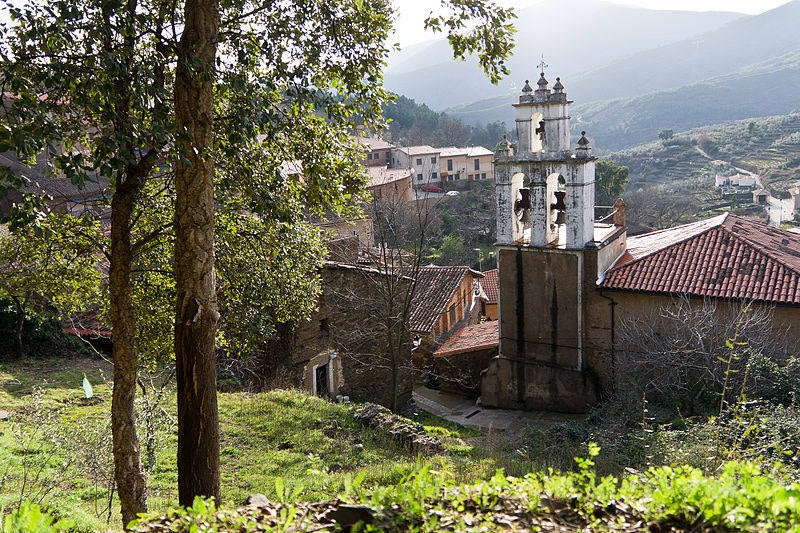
x,y
542,65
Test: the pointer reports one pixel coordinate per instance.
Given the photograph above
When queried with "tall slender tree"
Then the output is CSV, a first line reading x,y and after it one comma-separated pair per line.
x,y
196,312
77,91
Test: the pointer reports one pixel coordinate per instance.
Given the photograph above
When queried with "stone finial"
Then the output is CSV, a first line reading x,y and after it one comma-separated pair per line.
x,y
558,92
527,94
583,146
527,89
542,83
505,149
542,93
620,218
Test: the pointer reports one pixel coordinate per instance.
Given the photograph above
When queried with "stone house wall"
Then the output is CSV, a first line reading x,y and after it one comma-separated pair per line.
x,y
346,333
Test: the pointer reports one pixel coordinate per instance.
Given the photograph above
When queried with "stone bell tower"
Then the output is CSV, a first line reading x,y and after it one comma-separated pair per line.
x,y
550,254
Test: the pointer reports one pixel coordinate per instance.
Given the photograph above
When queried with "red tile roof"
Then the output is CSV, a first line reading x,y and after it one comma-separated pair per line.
x,y
722,257
471,339
491,286
87,324
435,287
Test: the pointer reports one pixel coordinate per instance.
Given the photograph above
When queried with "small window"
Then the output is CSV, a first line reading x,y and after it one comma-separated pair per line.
x,y
449,164
434,175
388,155
419,160
433,160
419,177
477,164
483,175
369,157
452,314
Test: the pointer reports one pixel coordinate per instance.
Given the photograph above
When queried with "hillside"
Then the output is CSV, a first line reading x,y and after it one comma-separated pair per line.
x,y
671,182
598,33
746,68
627,122
316,461
768,146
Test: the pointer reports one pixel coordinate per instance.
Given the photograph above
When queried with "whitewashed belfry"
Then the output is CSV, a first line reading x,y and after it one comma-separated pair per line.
x,y
558,201
550,254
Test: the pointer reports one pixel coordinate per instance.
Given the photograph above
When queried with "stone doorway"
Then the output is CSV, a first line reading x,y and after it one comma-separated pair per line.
x,y
321,379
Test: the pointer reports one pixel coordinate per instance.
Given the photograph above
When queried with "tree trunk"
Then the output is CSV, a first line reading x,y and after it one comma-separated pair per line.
x,y
128,472
19,347
196,306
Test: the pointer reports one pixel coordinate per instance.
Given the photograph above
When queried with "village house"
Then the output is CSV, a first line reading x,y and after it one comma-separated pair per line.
x,y
737,181
492,290
377,152
340,349
423,160
780,207
390,184
458,364
473,163
445,298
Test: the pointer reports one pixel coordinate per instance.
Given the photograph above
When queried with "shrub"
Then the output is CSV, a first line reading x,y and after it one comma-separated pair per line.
x,y
31,519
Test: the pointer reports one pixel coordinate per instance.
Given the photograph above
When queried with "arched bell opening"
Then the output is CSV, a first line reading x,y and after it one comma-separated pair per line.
x,y
556,206
522,199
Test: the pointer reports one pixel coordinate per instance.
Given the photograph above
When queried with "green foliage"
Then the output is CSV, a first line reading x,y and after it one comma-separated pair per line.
x,y
294,447
682,498
31,519
610,181
44,337
411,123
478,27
666,135
453,251
55,259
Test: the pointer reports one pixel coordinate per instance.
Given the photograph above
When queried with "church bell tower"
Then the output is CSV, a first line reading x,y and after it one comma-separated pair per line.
x,y
548,251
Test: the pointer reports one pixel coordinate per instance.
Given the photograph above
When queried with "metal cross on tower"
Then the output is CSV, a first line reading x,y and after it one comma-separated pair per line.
x,y
542,65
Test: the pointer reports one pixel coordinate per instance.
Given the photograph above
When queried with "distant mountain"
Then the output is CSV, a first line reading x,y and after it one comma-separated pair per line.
x,y
737,47
747,68
575,36
771,88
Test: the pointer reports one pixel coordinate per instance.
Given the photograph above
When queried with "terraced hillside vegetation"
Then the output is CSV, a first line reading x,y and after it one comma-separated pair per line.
x,y
676,175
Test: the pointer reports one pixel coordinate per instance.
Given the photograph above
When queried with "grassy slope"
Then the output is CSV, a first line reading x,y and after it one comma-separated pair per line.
x,y
295,448
313,446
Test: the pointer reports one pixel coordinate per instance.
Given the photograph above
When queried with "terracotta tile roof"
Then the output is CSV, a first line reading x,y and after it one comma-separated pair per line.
x,y
87,324
419,150
374,143
434,289
471,339
382,175
491,286
722,257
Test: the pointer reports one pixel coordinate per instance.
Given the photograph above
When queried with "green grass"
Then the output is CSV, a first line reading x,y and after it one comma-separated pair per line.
x,y
285,444
294,448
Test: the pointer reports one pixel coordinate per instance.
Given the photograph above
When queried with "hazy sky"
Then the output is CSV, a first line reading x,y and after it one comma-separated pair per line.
x,y
412,12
